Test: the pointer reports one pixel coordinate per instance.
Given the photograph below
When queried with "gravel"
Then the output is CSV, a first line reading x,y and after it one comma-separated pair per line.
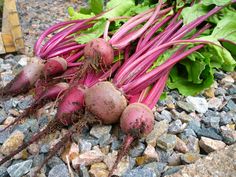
x,y
194,125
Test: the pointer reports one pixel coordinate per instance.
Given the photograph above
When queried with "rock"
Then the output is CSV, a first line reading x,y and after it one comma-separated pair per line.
x,y
193,144
210,145
122,167
159,129
99,130
186,133
4,135
29,124
215,103
172,170
232,91
189,158
212,121
26,102
225,118
156,167
199,104
33,149
84,145
38,159
20,169
151,154
210,93
174,159
23,61
84,171
220,91
231,105
3,172
218,163
99,170
12,143
71,152
210,133
88,158
3,116
59,171
7,105
45,148
185,118
165,115
137,150
181,145
176,127
104,140
54,161
140,172
186,106
166,141
116,144
194,125
229,136
6,67
163,155
227,80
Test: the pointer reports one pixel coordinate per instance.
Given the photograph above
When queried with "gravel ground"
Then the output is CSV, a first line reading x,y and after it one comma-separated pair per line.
x,y
186,128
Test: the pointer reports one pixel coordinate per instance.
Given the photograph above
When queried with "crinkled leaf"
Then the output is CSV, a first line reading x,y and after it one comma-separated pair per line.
x,y
77,15
192,78
215,2
96,6
92,33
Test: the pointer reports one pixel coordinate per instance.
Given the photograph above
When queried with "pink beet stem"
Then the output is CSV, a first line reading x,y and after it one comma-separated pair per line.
x,y
75,57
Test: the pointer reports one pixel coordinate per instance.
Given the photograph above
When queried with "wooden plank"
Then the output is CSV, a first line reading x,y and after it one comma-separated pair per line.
x,y
11,24
9,44
2,49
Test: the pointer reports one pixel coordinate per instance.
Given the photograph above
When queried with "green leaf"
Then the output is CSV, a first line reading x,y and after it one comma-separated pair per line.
x,y
76,15
215,2
191,13
191,79
96,6
92,33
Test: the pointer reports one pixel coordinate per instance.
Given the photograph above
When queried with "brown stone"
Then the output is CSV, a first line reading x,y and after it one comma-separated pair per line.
x,y
210,145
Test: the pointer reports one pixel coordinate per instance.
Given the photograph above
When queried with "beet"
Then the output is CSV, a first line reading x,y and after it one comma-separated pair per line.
x,y
105,102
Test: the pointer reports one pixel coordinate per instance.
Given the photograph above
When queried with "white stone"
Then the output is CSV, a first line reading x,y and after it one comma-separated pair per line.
x,y
199,104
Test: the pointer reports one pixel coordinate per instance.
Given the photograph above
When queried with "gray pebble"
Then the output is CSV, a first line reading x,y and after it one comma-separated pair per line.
x,y
211,121
210,133
232,91
83,171
42,121
199,103
7,105
38,159
226,118
4,135
3,116
171,170
194,125
44,148
176,127
164,155
3,172
20,169
186,106
165,115
100,130
220,91
140,172
186,133
54,161
137,150
59,171
116,144
26,102
84,145
156,167
231,105
104,140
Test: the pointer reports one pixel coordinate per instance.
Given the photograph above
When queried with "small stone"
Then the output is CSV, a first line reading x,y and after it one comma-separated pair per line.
x,y
99,170
232,91
210,145
7,105
186,133
210,93
26,102
199,104
140,172
54,161
186,106
227,80
105,149
210,133
137,150
176,127
170,106
231,105
174,159
33,149
166,141
220,92
20,169
88,158
3,116
6,77
172,170
193,144
84,145
159,129
4,135
45,148
212,121
225,118
84,171
8,120
215,103
122,167
156,167
165,115
231,126
181,145
59,171
116,144
100,130
71,152
3,172
163,155
37,160
229,136
6,67
151,154
185,118
23,61
189,158
194,125
12,143
104,140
